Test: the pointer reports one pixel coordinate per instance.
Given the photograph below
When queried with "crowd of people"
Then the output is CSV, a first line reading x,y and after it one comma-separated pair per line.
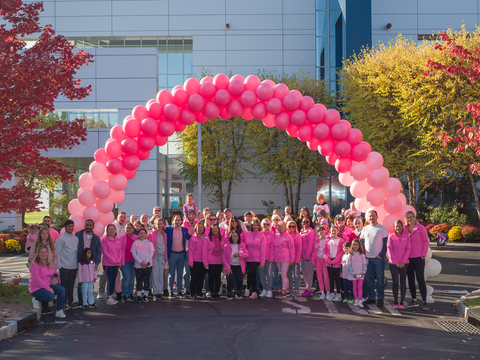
x,y
152,259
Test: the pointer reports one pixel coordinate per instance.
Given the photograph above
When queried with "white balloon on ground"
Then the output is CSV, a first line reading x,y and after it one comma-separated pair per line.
x,y
428,257
429,290
433,268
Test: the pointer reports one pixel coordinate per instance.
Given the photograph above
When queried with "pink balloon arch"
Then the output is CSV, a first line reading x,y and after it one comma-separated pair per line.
x,y
274,104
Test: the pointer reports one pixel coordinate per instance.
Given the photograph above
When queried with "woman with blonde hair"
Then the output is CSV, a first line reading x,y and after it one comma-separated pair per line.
x,y
294,270
284,254
44,238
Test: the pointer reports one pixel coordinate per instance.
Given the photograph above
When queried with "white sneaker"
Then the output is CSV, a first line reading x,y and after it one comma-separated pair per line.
x,y
329,296
263,293
254,295
102,296
337,297
355,303
269,294
208,294
360,304
247,293
60,314
112,302
35,303
321,296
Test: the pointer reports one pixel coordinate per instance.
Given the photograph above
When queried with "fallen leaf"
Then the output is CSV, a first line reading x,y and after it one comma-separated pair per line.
x,y
75,340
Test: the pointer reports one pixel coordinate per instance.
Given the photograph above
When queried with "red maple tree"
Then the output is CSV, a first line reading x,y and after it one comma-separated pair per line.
x,y
30,81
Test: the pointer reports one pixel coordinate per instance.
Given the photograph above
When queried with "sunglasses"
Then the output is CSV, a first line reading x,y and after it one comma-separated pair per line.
x,y
276,219
212,219
292,227
266,224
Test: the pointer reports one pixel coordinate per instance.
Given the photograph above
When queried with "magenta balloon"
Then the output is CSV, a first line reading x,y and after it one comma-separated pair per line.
x,y
130,146
326,147
359,153
146,143
305,132
338,132
264,91
159,139
117,182
392,187
389,222
306,103
404,209
315,115
171,112
86,181
180,97
343,165
385,170
99,229
236,87
87,197
291,102
259,111
343,149
280,91
247,114
106,218
149,126
362,204
222,97
282,121
117,134
292,130
187,117
192,86
346,124
392,205
367,145
99,171
114,166
142,155
177,87
321,131
195,102
359,189
117,196
113,149
312,143
101,156
321,106
248,99
376,197
269,121
251,83
332,117
274,106
91,213
75,207
298,117
131,162
131,127
270,82
129,174
155,110
166,128
346,179
354,137
374,161
235,107
332,159
377,178
102,190
212,111
207,90
221,81
359,171
164,97
402,198
206,78
140,112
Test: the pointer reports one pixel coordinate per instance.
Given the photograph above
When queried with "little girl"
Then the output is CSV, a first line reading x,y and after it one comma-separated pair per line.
x,y
87,275
234,262
190,205
333,257
320,263
190,222
142,252
347,282
357,267
31,237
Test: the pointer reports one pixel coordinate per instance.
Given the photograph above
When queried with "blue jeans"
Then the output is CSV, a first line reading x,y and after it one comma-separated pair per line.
x,y
276,280
43,295
375,268
128,273
111,272
87,293
176,262
348,289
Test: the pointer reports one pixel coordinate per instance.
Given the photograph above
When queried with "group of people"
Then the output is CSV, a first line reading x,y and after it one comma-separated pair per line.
x,y
183,258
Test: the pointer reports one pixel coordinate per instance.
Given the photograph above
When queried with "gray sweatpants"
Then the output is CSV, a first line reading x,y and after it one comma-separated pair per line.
x,y
266,275
157,273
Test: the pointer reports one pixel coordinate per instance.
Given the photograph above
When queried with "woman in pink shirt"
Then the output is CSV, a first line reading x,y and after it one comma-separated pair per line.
x,y
195,261
284,250
398,250
235,225
212,255
128,263
308,238
270,267
294,270
235,255
112,260
320,263
255,243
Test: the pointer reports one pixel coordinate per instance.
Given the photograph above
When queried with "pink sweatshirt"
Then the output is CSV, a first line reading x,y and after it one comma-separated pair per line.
x,y
207,252
195,249
227,256
269,245
153,237
30,240
348,234
338,259
283,248
357,263
308,238
319,245
190,228
255,243
127,242
298,246
142,251
398,248
86,271
112,251
40,277
419,242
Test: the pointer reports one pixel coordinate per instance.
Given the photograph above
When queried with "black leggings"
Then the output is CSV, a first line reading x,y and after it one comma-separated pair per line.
x,y
235,276
143,278
215,277
395,271
416,268
198,276
252,275
334,277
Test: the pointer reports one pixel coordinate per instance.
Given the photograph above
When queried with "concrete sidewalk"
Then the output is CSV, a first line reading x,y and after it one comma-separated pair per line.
x,y
456,246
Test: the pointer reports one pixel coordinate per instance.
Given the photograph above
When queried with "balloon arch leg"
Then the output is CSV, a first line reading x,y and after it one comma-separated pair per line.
x,y
274,104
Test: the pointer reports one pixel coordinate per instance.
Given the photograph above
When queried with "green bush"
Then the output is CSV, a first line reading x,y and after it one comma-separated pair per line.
x,y
471,236
445,214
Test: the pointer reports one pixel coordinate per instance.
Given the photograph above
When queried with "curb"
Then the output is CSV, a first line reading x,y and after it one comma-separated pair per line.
x,y
454,248
20,323
466,311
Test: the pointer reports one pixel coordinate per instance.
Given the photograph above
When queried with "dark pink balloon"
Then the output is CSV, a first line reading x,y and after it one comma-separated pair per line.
x,y
236,87
338,132
347,124
195,102
117,134
367,145
298,117
291,102
306,103
321,106
159,139
280,91
269,121
305,132
224,114
201,118
282,121
237,77
212,111
130,146
179,126
321,131
235,107
166,128
259,111
192,86
343,165
251,83
140,112
332,117
248,99
296,93
131,127
171,112
113,149
264,91
149,126
292,130
343,149
326,147
146,143
130,162
164,97
177,87
187,117
247,114
270,82
149,102
354,137
207,90
332,159
221,81
155,110
359,153
206,79
180,97
222,97
313,144
129,174
143,155
315,115
101,156
274,106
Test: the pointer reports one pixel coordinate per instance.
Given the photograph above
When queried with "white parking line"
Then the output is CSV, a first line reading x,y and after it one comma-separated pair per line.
x,y
374,309
390,308
358,310
330,307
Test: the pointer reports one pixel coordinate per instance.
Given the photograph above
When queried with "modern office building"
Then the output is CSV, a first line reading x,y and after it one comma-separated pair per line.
x,y
142,46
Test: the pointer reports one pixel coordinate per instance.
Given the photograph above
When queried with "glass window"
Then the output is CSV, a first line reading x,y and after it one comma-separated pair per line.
x,y
162,63
116,43
135,43
188,65
322,23
173,148
323,187
339,196
174,80
322,4
112,119
189,188
175,63
162,82
173,166
176,202
176,177
149,43
175,187
163,149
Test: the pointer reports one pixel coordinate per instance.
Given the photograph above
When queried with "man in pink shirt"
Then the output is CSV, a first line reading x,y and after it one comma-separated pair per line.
x,y
47,220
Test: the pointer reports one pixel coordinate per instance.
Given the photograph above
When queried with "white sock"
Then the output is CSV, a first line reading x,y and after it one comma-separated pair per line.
x,y
323,293
139,293
146,293
328,293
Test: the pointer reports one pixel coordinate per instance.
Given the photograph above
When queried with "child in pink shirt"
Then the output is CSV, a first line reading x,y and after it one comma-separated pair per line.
x,y
357,268
142,252
347,280
31,237
87,275
190,205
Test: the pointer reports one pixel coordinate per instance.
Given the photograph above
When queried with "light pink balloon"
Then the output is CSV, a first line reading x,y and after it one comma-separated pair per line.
x,y
280,91
359,189
321,131
101,156
389,222
380,212
392,187
99,171
305,132
207,90
312,143
402,198
206,78
315,115
117,196
248,99
192,86
259,111
338,132
298,117
63,230
92,213
166,128
359,171
78,222
131,127
101,190
343,149
321,106
385,170
359,153
117,182
377,178
374,161
212,111
106,218
99,229
392,205
343,164
130,146
87,197
326,147
346,124
274,106
362,204
346,179
104,205
376,197
222,97
117,134
354,137
131,162
291,102
113,149
306,103
252,82
164,97
221,81
264,91
270,82
237,77
367,145
235,107
332,117
269,121
296,93
404,210
195,102
86,181
75,207
236,87
140,112
332,158
282,121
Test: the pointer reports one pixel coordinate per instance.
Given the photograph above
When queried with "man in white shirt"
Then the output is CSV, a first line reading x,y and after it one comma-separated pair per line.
x,y
120,223
67,249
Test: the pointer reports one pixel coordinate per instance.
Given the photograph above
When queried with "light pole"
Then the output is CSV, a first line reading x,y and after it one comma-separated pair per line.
x,y
199,151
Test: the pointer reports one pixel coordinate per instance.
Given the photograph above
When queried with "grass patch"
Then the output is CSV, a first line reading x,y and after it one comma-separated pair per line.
x,y
35,217
473,303
24,296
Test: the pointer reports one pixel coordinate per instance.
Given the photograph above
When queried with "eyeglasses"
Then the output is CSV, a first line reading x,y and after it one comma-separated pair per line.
x,y
276,219
306,222
266,224
43,246
157,210
292,227
212,219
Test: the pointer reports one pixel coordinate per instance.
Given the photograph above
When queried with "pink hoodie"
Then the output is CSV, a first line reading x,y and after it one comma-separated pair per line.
x,y
227,256
318,245
298,246
283,248
207,252
86,271
255,243
269,236
419,242
338,259
398,248
153,237
40,277
127,242
357,262
195,249
308,238
112,251
186,224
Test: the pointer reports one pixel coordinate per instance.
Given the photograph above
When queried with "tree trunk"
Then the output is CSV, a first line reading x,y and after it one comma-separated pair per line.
x,y
412,190
290,194
229,191
220,194
475,193
285,190
297,195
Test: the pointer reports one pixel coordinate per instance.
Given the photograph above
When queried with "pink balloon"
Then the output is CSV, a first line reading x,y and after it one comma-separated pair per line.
x,y
86,181
380,213
130,146
131,127
222,97
305,132
315,115
180,97
346,124
142,155
221,81
131,162
338,132
374,161
177,87
195,102
224,114
149,126
75,207
106,218
296,93
269,121
306,103
117,196
247,114
326,147
376,197
99,229
392,205
280,91
129,174
345,179
78,222
99,171
321,131
385,170
146,143
359,189
235,107
117,182
332,117
140,112
343,149
113,149
104,205
404,210
101,189
362,204
354,137
87,197
206,78
392,187
192,86
312,143
166,128
402,198
359,153
114,166
343,165
236,87
359,171
377,178
212,111
298,117
282,121
321,106
155,110
117,134
292,130
159,139
332,159
367,145
187,117
274,106
389,222
264,91
207,90
251,83
171,112
91,213
270,82
164,97
291,102
248,99
149,102
259,111
101,156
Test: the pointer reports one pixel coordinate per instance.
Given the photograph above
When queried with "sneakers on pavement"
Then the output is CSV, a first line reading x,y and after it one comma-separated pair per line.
x,y
111,301
280,295
369,301
337,297
380,302
269,294
60,314
413,303
247,293
36,304
254,295
263,293
102,296
360,304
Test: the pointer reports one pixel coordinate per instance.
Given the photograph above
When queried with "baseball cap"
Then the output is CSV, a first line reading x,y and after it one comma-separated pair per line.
x,y
340,217
227,209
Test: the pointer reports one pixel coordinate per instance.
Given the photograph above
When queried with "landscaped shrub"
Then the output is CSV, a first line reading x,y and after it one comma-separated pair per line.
x,y
469,228
455,233
429,226
445,214
2,247
12,245
441,228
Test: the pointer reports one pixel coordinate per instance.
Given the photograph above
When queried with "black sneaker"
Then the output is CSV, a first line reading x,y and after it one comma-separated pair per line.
x,y
424,306
369,301
193,297
84,307
145,299
139,299
124,298
187,293
93,306
46,311
229,297
180,296
380,302
413,303
200,296
131,298
171,296
158,297
165,292
239,296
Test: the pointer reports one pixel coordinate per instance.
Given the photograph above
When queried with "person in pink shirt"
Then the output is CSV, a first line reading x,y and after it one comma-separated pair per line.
x,y
190,222
353,211
195,261
212,255
236,225
267,271
87,275
275,220
31,237
47,221
235,255
349,220
142,252
284,255
333,257
398,251
294,270
308,238
112,260
128,263
190,205
320,263
344,232
255,244
357,268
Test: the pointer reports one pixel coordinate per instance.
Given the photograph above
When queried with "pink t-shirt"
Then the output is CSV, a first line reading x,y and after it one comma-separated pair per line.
x,y
40,277
140,250
31,238
177,244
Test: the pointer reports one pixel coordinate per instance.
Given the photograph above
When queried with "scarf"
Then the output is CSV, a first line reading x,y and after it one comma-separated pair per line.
x,y
217,248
